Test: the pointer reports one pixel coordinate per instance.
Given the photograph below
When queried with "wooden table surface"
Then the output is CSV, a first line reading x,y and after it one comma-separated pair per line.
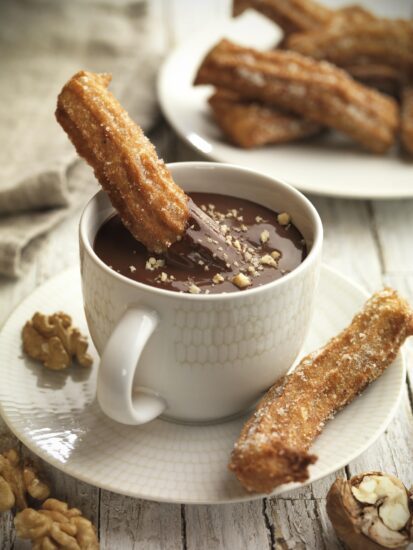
x,y
368,241
365,240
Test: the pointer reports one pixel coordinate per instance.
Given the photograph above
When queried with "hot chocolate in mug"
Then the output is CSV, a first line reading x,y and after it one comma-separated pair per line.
x,y
197,357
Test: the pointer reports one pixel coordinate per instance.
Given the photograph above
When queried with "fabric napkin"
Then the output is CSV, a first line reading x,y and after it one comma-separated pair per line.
x,y
42,44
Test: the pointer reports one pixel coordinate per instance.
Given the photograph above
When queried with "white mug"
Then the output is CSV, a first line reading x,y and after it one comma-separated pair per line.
x,y
197,358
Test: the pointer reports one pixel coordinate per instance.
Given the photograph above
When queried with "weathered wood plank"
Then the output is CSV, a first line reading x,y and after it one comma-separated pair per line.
x,y
349,240
301,524
394,225
241,526
137,524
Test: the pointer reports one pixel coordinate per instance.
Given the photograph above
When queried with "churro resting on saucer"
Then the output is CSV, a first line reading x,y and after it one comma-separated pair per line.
x,y
407,119
315,90
140,187
251,124
273,446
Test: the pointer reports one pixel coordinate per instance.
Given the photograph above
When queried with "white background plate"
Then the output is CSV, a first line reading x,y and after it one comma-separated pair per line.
x,y
55,413
329,165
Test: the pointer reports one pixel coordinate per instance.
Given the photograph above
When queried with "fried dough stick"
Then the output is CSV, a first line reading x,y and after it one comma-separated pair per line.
x,y
251,124
140,187
273,446
384,78
359,41
315,90
290,15
407,119
150,204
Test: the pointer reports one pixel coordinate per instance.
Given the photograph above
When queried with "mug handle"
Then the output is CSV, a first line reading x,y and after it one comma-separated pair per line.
x,y
118,365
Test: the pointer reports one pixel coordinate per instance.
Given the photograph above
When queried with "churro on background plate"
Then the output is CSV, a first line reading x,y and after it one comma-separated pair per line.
x,y
312,89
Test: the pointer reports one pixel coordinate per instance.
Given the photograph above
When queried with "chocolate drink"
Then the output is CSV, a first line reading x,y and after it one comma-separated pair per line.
x,y
266,247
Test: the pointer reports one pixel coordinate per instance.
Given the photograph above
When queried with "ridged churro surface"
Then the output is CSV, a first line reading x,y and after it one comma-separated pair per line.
x,y
313,89
290,15
251,124
140,187
359,40
274,443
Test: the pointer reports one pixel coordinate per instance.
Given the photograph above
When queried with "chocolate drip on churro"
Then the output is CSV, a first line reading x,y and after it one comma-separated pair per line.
x,y
264,248
203,240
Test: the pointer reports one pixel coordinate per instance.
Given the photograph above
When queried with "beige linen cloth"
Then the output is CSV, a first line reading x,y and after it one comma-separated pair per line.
x,y
42,43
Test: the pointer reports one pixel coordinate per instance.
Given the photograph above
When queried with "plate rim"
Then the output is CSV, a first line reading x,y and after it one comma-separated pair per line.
x,y
74,271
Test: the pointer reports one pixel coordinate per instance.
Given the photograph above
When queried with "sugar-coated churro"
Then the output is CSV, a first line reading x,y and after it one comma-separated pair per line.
x,y
315,90
140,187
384,78
359,40
273,446
407,118
251,124
150,204
290,15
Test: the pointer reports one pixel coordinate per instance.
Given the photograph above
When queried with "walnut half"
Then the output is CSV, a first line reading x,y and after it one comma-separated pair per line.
x,y
53,340
56,526
371,511
17,480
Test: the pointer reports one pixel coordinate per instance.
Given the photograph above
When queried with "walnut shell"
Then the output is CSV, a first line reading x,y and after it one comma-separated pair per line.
x,y
359,524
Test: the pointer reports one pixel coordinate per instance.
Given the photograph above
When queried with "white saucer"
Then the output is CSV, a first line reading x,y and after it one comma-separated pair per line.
x,y
55,413
328,165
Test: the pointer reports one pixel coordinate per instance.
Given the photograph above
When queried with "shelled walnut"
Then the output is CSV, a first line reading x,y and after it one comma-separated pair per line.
x,y
17,480
371,511
56,526
53,340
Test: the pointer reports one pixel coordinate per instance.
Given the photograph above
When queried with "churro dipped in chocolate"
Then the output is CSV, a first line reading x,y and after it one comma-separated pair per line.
x,y
140,187
150,204
290,15
273,446
407,119
251,124
315,90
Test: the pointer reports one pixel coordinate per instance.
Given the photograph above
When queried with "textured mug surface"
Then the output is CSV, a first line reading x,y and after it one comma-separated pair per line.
x,y
209,356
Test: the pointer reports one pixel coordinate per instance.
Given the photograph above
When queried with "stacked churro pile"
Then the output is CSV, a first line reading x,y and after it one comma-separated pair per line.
x,y
347,70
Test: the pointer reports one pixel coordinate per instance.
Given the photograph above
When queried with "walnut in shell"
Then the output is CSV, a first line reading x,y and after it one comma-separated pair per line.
x,y
17,480
371,511
53,340
56,526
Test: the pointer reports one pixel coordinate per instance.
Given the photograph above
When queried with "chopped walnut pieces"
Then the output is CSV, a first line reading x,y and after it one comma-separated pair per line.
x,y
283,218
265,235
268,260
53,340
236,244
193,289
241,281
56,526
17,480
218,278
154,263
